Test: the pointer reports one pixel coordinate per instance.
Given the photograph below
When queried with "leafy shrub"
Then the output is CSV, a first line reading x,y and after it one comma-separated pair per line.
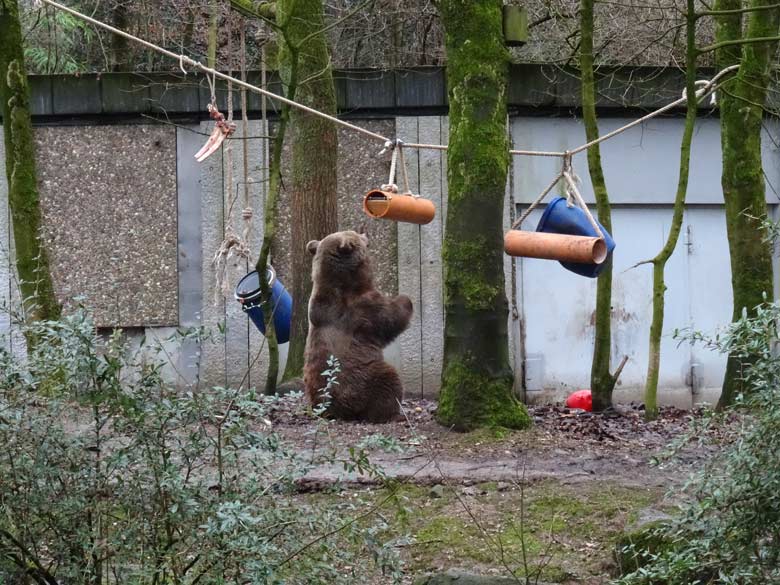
x,y
729,531
109,474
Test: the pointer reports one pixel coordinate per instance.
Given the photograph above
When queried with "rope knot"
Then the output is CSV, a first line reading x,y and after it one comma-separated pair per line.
x,y
391,187
247,213
703,88
388,145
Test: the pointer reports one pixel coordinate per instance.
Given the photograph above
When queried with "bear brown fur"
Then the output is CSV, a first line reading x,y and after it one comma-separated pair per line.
x,y
352,321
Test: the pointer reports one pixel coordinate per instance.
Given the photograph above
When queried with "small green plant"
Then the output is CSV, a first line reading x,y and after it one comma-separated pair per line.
x,y
110,474
729,530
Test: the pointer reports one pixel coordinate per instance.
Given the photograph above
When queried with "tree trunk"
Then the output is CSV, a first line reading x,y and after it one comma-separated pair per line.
x,y
211,35
120,49
32,262
602,382
477,378
659,262
314,203
741,110
269,232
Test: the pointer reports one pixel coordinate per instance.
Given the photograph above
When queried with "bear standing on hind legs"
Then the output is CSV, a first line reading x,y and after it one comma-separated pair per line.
x,y
351,320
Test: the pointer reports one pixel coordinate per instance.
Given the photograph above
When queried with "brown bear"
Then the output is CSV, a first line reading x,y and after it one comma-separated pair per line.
x,y
352,321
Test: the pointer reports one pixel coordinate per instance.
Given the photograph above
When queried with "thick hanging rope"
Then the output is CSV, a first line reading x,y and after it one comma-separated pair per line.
x,y
247,212
233,245
573,196
398,156
183,60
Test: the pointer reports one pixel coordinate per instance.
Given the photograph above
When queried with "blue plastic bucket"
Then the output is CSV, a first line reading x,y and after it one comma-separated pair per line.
x,y
248,294
559,218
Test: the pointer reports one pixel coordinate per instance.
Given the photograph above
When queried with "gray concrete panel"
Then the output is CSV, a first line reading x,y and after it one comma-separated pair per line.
x,y
236,321
213,371
419,88
409,275
372,88
514,324
246,352
122,93
40,95
11,338
171,93
431,269
75,94
640,165
257,353
190,246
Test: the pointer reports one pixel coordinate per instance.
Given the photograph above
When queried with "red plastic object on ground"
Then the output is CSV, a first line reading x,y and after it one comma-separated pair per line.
x,y
580,399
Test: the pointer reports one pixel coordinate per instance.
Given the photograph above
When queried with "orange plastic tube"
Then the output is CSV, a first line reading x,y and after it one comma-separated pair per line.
x,y
386,205
560,247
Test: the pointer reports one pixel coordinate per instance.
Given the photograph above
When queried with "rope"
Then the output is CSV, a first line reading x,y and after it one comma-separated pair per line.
x,y
247,212
572,189
710,86
407,189
183,59
572,192
233,245
398,156
390,185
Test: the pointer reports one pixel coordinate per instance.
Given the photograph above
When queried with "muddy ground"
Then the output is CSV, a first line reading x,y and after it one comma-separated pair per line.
x,y
549,503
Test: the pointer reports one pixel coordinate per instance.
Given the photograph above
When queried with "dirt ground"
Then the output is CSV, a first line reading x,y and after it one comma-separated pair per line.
x,y
564,444
549,502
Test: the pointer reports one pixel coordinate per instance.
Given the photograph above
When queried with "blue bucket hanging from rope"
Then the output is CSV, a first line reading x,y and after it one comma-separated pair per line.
x,y
567,231
570,220
248,294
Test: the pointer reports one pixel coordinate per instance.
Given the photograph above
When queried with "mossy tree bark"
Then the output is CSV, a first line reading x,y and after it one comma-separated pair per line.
x,y
299,25
32,262
314,205
269,232
742,179
659,262
477,378
602,381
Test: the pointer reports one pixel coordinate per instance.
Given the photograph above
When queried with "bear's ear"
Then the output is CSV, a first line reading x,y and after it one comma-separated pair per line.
x,y
312,247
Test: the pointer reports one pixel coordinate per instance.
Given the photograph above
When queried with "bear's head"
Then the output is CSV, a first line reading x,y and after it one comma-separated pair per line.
x,y
341,260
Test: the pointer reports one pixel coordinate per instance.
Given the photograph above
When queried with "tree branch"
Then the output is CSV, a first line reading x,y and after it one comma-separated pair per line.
x,y
336,22
734,42
735,11
265,11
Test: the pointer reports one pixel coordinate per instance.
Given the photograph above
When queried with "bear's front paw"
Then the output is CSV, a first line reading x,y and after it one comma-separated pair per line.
x,y
405,303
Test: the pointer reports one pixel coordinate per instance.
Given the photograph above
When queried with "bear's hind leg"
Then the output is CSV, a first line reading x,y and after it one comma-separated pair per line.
x,y
384,393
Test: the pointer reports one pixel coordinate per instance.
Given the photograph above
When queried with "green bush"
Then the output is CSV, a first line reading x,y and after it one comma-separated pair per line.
x,y
729,531
109,474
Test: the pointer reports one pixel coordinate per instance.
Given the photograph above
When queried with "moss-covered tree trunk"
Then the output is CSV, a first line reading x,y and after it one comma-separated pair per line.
x,y
314,156
741,110
477,378
659,262
602,382
32,262
269,232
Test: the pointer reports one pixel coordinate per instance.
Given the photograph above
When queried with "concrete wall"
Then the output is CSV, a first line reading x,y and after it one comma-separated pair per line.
x,y
551,310
557,306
